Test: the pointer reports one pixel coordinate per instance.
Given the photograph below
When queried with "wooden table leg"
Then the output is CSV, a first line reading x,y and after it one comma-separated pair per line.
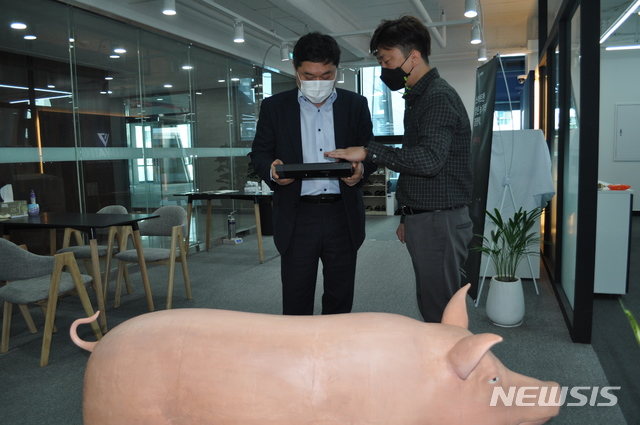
x,y
189,211
256,210
137,241
82,292
97,281
208,224
52,242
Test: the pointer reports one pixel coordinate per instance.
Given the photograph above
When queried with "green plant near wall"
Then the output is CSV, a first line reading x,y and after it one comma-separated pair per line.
x,y
510,241
632,320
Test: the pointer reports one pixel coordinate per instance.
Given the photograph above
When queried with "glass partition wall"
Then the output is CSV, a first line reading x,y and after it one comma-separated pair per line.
x,y
95,112
570,66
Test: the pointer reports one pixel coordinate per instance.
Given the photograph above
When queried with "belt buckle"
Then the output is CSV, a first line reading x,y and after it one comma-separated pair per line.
x,y
331,198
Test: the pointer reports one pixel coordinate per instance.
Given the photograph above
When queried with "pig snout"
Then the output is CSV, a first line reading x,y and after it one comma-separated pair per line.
x,y
535,402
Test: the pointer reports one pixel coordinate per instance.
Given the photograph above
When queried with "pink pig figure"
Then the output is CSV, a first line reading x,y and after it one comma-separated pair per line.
x,y
205,366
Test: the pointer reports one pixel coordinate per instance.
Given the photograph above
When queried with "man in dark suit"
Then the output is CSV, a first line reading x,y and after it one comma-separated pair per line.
x,y
314,219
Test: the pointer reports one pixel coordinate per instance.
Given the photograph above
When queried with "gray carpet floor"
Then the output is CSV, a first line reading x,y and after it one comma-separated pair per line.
x,y
231,277
613,340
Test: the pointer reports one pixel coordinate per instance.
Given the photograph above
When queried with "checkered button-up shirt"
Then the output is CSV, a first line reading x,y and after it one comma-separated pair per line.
x,y
434,161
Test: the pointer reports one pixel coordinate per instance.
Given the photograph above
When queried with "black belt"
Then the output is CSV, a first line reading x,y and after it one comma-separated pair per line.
x,y
410,211
321,199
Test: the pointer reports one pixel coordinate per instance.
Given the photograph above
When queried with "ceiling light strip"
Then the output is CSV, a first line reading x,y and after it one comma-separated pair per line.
x,y
620,21
632,47
5,86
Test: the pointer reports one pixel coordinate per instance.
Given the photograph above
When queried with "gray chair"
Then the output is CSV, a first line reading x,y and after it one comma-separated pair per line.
x,y
83,252
171,223
38,279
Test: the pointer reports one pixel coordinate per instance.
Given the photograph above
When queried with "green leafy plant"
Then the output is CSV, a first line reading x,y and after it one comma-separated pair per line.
x,y
632,321
510,241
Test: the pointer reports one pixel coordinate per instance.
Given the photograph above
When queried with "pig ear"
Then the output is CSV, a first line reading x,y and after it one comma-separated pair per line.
x,y
467,353
456,311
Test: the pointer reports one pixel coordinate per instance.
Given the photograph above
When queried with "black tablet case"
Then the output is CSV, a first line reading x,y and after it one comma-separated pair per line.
x,y
314,170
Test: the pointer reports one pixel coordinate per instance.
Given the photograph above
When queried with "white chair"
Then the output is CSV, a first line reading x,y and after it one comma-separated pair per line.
x,y
171,223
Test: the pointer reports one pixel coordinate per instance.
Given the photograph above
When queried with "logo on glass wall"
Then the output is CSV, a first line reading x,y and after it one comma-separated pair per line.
x,y
104,138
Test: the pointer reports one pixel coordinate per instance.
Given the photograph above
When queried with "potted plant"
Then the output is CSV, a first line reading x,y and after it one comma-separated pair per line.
x,y
509,242
632,321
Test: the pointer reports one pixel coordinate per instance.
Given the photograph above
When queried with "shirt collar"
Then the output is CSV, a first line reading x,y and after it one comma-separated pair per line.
x,y
422,83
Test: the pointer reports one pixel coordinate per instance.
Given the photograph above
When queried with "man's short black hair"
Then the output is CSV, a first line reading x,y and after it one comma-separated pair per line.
x,y
406,33
316,47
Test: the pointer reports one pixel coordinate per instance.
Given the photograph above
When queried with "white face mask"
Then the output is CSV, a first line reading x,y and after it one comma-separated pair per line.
x,y
317,91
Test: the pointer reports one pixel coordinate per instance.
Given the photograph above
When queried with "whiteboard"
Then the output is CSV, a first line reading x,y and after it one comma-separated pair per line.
x,y
627,128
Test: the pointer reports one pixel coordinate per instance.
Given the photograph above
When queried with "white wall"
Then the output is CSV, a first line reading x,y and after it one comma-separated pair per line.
x,y
461,75
618,84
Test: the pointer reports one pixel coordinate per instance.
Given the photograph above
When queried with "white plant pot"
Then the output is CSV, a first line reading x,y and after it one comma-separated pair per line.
x,y
505,303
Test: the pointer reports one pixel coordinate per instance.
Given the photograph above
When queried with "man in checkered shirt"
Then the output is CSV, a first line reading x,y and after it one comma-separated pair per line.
x,y
434,162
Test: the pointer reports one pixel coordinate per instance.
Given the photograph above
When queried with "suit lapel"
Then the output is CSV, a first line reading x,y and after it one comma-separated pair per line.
x,y
340,121
292,112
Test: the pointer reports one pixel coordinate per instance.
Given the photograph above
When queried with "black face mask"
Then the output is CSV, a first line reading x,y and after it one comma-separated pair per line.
x,y
395,78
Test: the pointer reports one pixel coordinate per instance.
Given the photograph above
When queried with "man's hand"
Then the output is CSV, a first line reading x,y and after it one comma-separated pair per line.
x,y
358,170
281,182
352,154
400,232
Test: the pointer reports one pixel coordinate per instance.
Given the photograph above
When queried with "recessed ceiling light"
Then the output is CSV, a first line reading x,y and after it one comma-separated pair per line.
x,y
168,86
30,37
18,26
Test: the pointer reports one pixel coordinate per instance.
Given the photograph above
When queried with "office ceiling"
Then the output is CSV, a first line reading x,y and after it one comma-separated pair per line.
x,y
508,26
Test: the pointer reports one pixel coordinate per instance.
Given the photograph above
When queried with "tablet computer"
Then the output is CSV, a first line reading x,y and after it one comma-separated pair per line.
x,y
314,170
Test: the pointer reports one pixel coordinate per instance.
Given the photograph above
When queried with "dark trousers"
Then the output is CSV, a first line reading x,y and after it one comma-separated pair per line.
x,y
320,234
437,243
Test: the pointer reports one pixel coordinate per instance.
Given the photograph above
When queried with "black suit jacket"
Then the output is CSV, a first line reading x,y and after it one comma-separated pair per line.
x,y
278,136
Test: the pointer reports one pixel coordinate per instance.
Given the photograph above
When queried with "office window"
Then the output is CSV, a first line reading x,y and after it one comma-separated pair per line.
x,y
386,106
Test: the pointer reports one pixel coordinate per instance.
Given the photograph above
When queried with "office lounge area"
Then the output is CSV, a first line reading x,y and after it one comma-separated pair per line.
x,y
116,134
